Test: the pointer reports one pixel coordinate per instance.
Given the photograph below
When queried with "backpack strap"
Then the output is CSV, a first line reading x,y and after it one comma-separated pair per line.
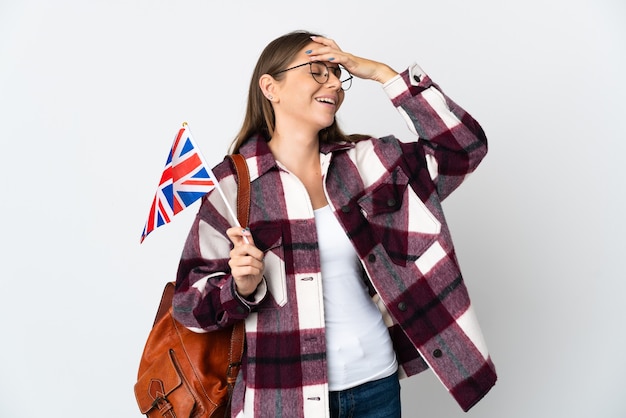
x,y
243,188
237,340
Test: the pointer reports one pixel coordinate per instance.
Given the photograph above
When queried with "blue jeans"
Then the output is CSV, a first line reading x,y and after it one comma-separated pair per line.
x,y
377,399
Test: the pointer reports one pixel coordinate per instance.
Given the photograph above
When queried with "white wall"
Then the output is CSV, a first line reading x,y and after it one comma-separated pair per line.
x,y
92,93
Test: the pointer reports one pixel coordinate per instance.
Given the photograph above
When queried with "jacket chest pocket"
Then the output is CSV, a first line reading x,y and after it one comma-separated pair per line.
x,y
268,238
400,221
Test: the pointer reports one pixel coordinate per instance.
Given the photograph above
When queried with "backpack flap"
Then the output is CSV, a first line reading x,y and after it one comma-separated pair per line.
x,y
161,388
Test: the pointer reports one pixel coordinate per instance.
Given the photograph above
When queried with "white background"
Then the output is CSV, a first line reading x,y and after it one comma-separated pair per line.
x,y
93,92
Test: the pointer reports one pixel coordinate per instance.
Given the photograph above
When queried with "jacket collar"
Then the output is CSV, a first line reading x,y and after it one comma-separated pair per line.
x,y
256,148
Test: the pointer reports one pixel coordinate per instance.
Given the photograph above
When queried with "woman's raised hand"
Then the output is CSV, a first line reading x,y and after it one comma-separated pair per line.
x,y
329,51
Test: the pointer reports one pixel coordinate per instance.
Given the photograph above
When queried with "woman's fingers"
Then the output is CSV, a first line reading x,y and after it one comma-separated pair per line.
x,y
325,41
243,243
329,51
246,261
247,272
245,266
239,235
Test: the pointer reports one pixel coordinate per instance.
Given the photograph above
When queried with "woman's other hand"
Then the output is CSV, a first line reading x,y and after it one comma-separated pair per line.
x,y
246,261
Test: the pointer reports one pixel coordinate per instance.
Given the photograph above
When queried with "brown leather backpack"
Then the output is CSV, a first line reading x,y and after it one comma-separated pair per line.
x,y
183,374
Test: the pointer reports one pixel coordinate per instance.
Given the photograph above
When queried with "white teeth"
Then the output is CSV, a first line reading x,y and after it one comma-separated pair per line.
x,y
325,100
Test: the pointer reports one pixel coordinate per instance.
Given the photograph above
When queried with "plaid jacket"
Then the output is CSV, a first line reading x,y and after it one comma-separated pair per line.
x,y
387,196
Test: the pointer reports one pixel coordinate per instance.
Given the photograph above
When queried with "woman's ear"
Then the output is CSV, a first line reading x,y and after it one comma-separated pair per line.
x,y
268,87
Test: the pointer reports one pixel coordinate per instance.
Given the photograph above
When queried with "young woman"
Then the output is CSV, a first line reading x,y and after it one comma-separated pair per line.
x,y
346,278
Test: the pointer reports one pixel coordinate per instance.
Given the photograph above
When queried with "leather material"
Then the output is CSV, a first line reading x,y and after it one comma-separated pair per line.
x,y
183,374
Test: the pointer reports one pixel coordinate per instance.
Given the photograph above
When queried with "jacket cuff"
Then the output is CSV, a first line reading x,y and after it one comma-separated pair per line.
x,y
255,298
412,80
235,305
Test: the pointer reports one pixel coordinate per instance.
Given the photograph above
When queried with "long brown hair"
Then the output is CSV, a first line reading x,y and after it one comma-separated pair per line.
x,y
259,118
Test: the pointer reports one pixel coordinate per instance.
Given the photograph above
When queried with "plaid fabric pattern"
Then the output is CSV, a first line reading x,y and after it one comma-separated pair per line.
x,y
387,196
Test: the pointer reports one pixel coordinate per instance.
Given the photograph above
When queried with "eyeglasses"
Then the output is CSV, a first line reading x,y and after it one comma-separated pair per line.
x,y
321,73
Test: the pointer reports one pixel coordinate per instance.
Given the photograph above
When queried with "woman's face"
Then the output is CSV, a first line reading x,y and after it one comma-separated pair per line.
x,y
305,100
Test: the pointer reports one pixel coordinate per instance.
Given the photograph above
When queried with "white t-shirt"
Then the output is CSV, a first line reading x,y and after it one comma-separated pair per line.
x,y
358,345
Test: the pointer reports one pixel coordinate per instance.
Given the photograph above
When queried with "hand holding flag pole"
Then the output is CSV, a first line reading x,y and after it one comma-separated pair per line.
x,y
185,179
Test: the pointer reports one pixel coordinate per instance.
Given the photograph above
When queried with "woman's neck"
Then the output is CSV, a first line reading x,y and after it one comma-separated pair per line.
x,y
295,152
300,156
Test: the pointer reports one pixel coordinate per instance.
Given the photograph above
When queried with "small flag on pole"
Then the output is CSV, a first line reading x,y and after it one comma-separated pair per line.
x,y
185,179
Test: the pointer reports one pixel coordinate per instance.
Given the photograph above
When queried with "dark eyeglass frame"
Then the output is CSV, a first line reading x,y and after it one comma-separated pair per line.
x,y
310,64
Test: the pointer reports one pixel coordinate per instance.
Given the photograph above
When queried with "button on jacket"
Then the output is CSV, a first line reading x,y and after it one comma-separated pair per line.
x,y
387,195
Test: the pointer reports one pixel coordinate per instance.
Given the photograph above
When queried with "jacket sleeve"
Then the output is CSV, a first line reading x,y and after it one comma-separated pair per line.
x,y
452,141
205,297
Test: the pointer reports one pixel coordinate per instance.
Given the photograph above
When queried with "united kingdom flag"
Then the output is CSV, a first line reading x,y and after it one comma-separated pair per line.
x,y
185,179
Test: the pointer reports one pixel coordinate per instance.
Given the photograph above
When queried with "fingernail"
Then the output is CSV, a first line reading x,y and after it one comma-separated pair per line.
x,y
331,59
308,52
246,231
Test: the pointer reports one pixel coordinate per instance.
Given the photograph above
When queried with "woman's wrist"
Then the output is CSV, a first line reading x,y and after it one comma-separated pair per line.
x,y
385,74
